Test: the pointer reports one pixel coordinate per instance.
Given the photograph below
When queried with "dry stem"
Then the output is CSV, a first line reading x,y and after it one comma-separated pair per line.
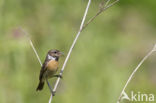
x,y
135,70
106,6
30,41
82,26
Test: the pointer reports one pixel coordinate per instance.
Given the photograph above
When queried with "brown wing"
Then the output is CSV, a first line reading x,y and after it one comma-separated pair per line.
x,y
43,69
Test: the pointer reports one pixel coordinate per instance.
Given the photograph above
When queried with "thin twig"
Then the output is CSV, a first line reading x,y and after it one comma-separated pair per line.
x,y
99,12
26,34
135,70
82,26
107,3
71,48
30,41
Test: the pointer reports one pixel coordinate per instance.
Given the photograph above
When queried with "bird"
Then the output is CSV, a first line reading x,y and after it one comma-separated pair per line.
x,y
49,68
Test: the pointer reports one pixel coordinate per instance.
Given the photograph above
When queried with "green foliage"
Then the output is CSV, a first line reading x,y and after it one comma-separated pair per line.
x,y
101,62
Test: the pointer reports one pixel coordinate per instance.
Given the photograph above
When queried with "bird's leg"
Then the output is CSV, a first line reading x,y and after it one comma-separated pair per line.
x,y
58,75
52,92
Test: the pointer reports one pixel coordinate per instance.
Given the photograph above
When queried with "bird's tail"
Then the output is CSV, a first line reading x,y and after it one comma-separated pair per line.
x,y
40,86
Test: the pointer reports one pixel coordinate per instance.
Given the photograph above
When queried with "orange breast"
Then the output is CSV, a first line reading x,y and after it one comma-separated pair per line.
x,y
52,65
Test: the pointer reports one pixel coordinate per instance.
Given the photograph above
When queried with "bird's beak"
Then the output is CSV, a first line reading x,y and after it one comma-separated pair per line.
x,y
61,54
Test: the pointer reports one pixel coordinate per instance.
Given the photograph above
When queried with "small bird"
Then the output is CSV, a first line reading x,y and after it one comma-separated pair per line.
x,y
49,67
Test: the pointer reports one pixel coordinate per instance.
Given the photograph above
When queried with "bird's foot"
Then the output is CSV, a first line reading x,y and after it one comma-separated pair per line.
x,y
58,75
53,93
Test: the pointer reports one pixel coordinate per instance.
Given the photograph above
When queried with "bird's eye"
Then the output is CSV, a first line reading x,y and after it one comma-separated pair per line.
x,y
55,52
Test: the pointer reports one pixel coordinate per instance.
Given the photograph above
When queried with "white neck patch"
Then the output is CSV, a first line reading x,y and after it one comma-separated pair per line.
x,y
51,57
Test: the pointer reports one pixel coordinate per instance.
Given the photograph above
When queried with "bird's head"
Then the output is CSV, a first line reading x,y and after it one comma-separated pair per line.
x,y
55,53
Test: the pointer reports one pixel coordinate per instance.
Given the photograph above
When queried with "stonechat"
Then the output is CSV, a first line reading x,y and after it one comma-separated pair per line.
x,y
49,67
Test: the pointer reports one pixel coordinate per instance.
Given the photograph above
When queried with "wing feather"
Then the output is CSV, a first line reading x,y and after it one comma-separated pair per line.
x,y
43,69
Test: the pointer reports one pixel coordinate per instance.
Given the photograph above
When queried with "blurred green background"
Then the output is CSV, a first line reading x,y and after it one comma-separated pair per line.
x,y
106,52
